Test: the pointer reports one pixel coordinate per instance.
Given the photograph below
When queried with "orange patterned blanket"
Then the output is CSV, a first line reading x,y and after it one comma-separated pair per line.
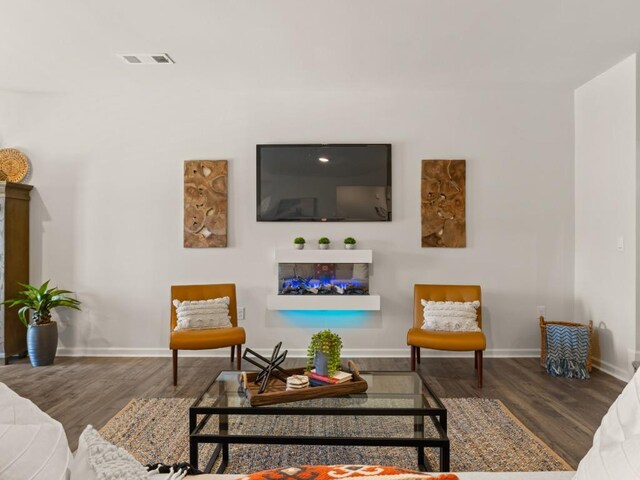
x,y
341,472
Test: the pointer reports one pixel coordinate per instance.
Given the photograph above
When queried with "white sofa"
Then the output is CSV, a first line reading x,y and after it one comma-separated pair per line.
x,y
34,446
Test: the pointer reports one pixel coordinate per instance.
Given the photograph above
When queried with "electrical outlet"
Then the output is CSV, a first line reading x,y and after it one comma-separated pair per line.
x,y
240,313
542,310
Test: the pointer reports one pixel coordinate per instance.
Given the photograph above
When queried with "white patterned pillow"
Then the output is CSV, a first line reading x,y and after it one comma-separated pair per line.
x,y
450,316
98,459
201,314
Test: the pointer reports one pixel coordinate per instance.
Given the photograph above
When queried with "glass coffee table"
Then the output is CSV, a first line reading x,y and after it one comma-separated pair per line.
x,y
391,413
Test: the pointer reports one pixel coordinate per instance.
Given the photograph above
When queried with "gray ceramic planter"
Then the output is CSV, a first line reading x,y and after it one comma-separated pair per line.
x,y
321,362
42,343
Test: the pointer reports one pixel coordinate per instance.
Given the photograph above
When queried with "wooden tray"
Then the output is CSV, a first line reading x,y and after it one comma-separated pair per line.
x,y
277,392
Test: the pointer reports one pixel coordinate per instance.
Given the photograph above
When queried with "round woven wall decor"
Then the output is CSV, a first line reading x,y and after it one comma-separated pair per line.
x,y
13,164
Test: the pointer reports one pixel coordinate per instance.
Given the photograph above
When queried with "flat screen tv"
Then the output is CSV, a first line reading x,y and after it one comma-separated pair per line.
x,y
324,183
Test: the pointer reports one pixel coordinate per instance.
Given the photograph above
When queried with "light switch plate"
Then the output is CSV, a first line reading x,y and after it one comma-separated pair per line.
x,y
542,310
240,313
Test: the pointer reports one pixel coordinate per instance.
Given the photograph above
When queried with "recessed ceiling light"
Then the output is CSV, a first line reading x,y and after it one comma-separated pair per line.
x,y
146,58
323,159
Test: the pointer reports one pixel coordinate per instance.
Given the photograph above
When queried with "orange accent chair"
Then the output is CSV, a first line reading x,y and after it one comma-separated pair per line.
x,y
205,339
455,341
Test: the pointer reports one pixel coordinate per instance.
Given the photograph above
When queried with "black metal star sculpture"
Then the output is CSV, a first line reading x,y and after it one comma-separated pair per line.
x,y
271,367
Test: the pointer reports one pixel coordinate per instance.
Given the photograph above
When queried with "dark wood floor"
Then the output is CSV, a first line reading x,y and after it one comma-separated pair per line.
x,y
80,391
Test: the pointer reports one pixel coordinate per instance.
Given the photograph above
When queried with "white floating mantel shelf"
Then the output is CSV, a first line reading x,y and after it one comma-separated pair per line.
x,y
323,302
292,255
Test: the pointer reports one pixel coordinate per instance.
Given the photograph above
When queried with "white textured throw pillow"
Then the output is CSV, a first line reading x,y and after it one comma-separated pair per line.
x,y
201,314
615,454
98,459
451,316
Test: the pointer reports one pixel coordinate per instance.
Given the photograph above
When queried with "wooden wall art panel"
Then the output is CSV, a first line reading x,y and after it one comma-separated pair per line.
x,y
205,203
443,203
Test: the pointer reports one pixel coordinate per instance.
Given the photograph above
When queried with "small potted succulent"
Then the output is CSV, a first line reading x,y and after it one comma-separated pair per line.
x,y
323,243
299,242
349,243
323,353
42,332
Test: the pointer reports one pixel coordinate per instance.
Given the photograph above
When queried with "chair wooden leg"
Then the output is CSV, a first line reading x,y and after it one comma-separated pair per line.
x,y
418,354
233,349
175,367
238,357
413,358
475,360
479,373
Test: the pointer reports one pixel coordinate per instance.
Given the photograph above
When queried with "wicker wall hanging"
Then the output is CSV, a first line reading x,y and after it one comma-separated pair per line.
x,y
14,165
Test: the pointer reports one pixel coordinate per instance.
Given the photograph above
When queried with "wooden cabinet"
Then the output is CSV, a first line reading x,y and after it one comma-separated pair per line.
x,y
14,263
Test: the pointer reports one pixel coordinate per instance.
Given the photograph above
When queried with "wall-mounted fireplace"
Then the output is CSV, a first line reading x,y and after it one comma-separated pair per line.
x,y
324,280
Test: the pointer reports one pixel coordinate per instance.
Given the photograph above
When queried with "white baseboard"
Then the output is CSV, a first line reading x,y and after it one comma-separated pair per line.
x,y
294,353
613,370
605,367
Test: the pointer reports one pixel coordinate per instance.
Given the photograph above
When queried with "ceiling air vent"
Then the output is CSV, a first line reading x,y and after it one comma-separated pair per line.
x,y
147,58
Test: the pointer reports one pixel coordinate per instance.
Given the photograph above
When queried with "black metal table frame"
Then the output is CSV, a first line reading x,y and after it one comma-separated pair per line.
x,y
438,416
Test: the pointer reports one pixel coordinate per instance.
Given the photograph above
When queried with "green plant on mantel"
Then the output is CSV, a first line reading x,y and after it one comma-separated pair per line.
x,y
41,300
299,241
328,343
350,241
324,241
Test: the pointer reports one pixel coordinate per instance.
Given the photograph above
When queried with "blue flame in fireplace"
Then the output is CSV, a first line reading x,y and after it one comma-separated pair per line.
x,y
303,284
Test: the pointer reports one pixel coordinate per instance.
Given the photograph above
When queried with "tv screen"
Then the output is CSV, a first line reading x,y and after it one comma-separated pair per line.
x,y
324,183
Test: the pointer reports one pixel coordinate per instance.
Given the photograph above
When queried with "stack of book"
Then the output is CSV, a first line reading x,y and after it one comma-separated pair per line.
x,y
316,380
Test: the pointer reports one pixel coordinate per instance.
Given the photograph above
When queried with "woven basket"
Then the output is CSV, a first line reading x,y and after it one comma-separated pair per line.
x,y
543,339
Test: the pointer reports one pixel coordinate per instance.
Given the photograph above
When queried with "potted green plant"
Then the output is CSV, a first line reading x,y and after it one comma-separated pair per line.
x,y
349,243
299,242
323,243
42,332
323,353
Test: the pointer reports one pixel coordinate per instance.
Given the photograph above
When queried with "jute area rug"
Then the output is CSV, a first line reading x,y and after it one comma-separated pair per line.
x,y
485,437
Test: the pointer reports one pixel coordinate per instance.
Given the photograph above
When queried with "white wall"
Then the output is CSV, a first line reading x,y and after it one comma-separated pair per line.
x,y
637,350
107,207
605,209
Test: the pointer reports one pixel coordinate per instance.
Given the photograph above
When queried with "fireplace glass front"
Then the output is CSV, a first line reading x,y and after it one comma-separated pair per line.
x,y
323,279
